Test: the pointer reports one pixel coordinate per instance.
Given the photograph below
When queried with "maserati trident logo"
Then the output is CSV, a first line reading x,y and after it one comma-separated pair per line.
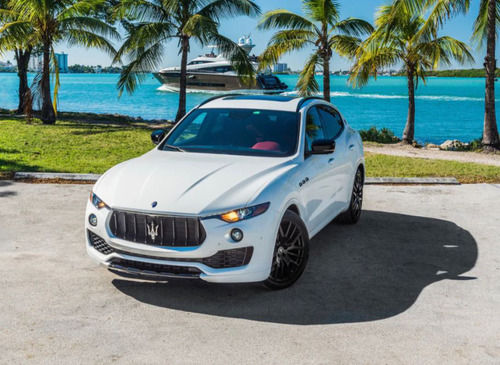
x,y
154,204
152,230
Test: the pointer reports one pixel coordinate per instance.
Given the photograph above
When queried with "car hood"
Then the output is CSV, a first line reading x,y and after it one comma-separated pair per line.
x,y
187,183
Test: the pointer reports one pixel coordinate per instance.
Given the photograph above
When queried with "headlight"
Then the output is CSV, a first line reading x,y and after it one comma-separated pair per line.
x,y
96,201
244,213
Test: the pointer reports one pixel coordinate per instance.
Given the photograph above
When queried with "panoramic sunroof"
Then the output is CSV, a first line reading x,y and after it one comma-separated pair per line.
x,y
279,98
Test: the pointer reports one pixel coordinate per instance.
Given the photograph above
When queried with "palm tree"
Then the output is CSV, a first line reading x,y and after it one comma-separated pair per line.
x,y
155,22
484,34
401,37
485,29
322,29
49,22
22,54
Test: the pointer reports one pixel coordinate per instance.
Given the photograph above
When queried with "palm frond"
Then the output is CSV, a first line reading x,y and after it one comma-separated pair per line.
x,y
220,9
89,24
323,11
307,84
281,18
16,35
201,27
372,57
141,10
143,36
79,8
344,45
89,40
480,29
283,42
353,27
144,60
444,50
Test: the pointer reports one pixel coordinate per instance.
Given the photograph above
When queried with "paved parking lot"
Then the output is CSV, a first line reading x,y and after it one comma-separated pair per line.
x,y
416,281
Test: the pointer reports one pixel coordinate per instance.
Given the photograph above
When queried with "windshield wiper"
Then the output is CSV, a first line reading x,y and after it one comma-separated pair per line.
x,y
174,148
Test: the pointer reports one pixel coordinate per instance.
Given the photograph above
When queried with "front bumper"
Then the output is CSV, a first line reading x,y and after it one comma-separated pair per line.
x,y
159,262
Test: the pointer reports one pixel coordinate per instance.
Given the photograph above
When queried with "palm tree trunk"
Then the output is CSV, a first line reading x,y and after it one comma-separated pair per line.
x,y
491,139
22,59
409,132
181,111
326,79
48,114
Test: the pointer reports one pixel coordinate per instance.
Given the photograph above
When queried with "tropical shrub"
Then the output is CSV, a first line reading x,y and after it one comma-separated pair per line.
x,y
384,135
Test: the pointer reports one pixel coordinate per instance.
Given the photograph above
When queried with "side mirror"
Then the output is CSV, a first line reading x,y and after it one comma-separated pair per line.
x,y
157,136
322,147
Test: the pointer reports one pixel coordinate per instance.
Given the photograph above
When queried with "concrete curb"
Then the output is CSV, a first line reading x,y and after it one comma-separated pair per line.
x,y
369,180
55,176
411,181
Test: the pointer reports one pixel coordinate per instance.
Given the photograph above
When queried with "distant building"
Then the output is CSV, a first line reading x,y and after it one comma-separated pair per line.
x,y
97,69
280,67
36,63
62,62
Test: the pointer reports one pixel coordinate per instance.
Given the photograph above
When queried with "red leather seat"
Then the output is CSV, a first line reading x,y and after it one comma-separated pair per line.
x,y
267,146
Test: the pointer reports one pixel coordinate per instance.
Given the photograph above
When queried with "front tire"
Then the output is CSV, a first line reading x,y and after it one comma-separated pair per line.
x,y
291,252
352,215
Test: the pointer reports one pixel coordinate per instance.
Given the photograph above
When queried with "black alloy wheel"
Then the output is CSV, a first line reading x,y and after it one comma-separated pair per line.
x,y
352,215
291,252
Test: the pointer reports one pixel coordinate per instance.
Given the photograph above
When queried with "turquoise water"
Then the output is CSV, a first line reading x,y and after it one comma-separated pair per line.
x,y
447,108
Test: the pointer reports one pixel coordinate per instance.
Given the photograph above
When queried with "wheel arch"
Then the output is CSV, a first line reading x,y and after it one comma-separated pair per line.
x,y
361,166
294,208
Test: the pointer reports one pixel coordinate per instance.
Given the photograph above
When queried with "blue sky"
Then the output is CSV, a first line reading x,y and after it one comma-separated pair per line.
x,y
460,28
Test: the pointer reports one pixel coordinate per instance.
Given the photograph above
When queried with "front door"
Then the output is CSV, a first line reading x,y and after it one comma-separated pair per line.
x,y
316,179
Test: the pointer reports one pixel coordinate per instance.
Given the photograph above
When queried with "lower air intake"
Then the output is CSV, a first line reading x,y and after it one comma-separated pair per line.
x,y
99,244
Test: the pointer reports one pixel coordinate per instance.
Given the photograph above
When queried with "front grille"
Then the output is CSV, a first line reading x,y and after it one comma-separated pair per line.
x,y
157,230
152,269
99,244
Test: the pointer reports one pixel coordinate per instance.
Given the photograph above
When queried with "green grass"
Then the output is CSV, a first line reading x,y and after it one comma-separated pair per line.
x,y
395,166
68,146
90,148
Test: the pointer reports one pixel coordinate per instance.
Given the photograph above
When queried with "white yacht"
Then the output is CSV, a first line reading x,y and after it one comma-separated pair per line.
x,y
213,72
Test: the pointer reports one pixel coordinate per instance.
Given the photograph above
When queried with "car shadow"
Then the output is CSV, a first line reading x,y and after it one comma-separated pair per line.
x,y
6,193
371,271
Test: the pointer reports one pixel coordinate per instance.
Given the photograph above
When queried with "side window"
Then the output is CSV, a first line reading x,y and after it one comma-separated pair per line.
x,y
314,128
332,121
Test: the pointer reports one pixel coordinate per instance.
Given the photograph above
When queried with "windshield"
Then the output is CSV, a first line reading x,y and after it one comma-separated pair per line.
x,y
250,132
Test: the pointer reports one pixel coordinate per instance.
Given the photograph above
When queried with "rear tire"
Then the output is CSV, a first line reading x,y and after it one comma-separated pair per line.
x,y
352,215
291,252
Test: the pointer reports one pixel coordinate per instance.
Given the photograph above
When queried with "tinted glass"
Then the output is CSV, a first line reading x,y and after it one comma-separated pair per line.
x,y
332,121
314,128
237,131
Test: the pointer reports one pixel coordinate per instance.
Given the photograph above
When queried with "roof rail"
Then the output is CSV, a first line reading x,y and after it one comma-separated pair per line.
x,y
216,97
307,98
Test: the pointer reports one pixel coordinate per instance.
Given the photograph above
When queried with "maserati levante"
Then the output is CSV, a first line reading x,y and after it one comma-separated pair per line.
x,y
233,193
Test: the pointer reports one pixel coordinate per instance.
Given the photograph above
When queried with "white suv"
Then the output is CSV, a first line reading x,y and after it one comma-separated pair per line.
x,y
233,193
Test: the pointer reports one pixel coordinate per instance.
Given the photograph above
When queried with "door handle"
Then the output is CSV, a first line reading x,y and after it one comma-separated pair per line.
x,y
330,161
351,147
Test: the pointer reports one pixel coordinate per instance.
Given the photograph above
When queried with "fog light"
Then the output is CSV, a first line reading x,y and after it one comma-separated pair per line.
x,y
93,220
237,234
